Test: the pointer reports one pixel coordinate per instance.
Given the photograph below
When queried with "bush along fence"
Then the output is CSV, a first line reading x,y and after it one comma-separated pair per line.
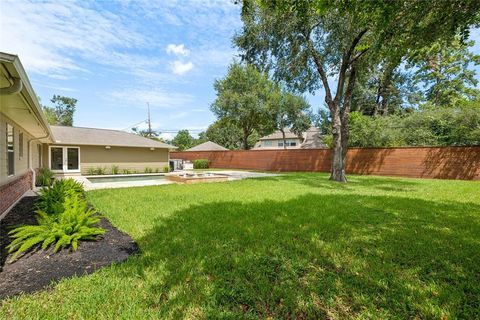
x,y
416,162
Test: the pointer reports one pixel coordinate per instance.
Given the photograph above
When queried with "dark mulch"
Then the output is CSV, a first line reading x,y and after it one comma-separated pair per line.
x,y
37,269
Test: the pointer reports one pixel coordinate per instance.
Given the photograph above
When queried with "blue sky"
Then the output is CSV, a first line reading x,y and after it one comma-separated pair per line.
x,y
115,56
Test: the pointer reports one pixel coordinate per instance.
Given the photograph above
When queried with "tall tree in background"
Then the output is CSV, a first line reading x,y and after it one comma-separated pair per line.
x,y
384,91
310,44
242,100
444,70
62,111
183,140
290,111
148,133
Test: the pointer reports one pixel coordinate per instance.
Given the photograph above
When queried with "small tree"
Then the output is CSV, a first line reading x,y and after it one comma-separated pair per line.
x,y
62,111
224,133
183,140
242,99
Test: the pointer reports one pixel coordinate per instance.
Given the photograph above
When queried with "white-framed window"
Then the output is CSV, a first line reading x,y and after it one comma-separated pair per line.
x,y
280,144
64,158
20,145
267,143
9,137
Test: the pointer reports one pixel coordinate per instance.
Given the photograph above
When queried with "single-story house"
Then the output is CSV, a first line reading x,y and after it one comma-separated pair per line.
x,y
310,139
208,146
28,142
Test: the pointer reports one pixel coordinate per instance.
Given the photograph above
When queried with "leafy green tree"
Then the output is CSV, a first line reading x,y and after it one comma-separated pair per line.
x,y
242,99
290,111
225,134
385,90
62,111
446,72
309,44
183,140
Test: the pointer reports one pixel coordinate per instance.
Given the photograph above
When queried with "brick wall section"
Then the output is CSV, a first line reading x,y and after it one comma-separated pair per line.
x,y
13,190
416,162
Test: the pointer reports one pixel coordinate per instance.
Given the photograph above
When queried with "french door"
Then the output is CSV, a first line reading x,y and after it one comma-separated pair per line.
x,y
64,159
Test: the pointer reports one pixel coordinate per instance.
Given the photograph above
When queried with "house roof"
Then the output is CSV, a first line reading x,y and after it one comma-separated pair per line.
x,y
18,99
103,137
313,139
277,135
207,146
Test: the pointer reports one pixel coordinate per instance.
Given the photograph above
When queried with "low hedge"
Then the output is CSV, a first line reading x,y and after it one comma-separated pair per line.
x,y
200,164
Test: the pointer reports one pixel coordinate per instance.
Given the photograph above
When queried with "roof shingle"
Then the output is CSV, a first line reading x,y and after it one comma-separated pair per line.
x,y
207,146
104,137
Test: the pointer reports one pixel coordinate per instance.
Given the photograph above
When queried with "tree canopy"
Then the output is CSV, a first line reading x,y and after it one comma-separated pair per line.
x,y
62,111
306,44
242,99
183,140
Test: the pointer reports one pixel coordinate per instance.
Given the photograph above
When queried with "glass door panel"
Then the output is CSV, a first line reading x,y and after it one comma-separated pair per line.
x,y
56,159
72,158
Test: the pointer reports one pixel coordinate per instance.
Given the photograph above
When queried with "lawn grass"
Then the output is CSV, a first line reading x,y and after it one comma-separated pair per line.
x,y
295,246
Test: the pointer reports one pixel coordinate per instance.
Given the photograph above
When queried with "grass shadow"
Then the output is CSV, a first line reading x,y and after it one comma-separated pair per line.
x,y
315,256
374,182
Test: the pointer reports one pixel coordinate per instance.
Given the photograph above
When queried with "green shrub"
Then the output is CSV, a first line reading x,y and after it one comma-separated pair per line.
x,y
51,199
166,169
91,171
100,171
200,164
65,229
126,171
115,169
44,177
148,170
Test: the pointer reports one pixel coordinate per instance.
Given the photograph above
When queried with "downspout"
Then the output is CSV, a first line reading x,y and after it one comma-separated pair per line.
x,y
15,88
29,144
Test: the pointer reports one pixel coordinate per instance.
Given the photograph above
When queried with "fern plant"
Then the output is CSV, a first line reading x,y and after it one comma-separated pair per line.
x,y
44,178
75,223
51,199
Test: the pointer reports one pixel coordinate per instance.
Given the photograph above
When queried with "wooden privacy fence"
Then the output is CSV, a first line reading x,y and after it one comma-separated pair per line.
x,y
416,162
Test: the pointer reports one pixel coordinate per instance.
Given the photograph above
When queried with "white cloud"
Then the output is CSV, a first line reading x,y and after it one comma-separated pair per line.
x,y
50,37
178,67
157,97
178,50
167,135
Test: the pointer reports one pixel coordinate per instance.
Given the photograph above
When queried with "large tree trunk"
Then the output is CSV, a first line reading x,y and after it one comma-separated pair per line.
x,y
338,167
246,134
339,106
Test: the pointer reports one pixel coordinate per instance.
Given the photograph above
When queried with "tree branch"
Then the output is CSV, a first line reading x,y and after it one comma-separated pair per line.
x,y
357,56
345,64
323,75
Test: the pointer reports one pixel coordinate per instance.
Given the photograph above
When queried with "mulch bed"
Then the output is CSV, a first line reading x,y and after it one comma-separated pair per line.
x,y
37,269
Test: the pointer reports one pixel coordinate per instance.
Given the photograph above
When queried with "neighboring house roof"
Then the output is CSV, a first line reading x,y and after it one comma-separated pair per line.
x,y
207,146
103,137
313,139
277,135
